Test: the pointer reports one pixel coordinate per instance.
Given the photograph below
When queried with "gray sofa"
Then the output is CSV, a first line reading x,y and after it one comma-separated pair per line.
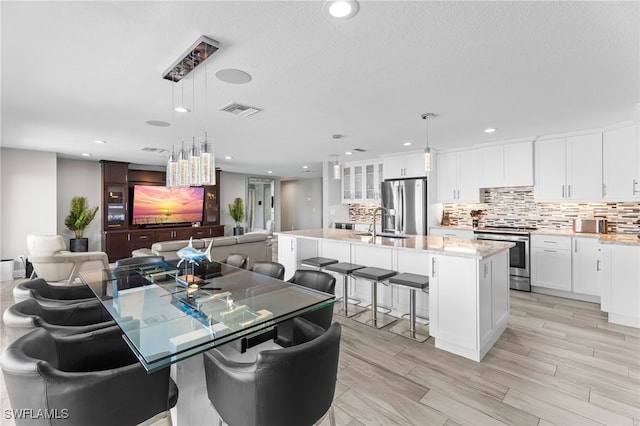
x,y
256,245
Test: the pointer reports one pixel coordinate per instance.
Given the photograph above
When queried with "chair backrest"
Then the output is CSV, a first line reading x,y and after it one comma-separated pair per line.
x,y
45,245
272,269
49,295
139,260
320,281
286,387
239,260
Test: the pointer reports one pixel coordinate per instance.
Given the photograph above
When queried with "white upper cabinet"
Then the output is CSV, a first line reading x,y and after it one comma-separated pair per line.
x,y
569,169
409,165
457,174
361,181
509,164
620,151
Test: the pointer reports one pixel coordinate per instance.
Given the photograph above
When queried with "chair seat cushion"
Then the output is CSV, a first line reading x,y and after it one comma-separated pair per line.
x,y
375,274
318,261
343,267
410,280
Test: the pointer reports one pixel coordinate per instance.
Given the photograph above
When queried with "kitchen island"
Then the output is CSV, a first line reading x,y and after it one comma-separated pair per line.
x,y
468,300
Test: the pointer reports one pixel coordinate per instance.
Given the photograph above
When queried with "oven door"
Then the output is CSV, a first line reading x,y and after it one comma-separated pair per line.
x,y
518,254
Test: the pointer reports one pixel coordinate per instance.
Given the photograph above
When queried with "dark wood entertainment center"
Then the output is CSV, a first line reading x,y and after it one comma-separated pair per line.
x,y
120,237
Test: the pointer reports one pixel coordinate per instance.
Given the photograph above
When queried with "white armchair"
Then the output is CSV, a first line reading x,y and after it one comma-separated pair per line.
x,y
52,262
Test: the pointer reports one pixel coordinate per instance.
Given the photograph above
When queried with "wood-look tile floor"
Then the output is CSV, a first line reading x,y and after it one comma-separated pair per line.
x,y
558,363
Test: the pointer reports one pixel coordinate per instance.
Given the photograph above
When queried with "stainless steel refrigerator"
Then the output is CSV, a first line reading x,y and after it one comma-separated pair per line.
x,y
405,204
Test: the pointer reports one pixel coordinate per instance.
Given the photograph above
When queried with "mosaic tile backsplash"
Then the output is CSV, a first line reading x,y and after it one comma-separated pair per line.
x,y
517,207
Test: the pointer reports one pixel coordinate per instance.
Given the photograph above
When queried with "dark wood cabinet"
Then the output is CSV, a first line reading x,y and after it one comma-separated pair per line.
x,y
121,237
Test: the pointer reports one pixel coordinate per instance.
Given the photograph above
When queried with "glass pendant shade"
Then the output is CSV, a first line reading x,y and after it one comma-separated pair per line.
x,y
194,165
207,164
183,169
337,170
427,159
172,171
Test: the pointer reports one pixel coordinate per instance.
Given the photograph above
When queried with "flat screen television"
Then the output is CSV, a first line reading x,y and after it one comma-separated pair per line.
x,y
159,205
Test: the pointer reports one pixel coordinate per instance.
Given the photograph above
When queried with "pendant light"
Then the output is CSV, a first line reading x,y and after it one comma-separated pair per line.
x,y
427,150
337,169
172,170
183,168
207,156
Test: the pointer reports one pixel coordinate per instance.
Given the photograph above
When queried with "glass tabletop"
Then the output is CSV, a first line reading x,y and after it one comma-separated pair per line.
x,y
169,313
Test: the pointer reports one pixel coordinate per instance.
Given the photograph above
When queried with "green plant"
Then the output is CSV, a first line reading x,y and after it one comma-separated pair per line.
x,y
236,210
80,216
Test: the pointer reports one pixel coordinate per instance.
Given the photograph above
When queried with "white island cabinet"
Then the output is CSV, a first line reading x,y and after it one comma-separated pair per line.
x,y
468,301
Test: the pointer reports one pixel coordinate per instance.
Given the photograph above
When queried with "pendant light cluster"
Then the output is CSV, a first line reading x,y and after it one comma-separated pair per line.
x,y
194,165
337,169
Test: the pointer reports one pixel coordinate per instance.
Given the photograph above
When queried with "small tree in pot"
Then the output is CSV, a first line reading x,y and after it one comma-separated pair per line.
x,y
236,211
80,216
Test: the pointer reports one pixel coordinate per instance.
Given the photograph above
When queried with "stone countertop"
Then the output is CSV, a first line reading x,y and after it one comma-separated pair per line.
x,y
458,247
630,239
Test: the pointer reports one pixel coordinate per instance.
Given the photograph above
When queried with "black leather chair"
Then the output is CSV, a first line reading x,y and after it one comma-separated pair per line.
x,y
239,260
63,320
85,379
272,269
52,295
139,260
292,386
316,280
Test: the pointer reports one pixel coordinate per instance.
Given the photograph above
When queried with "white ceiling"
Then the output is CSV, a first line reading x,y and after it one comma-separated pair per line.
x,y
73,72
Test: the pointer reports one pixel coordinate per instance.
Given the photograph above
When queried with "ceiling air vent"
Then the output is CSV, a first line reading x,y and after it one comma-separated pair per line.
x,y
239,109
154,150
359,149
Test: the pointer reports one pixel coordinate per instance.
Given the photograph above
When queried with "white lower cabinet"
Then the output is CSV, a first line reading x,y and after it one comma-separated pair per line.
x,y
288,254
586,265
551,262
621,283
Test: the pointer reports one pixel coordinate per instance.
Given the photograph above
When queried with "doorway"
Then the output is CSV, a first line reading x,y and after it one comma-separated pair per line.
x,y
260,204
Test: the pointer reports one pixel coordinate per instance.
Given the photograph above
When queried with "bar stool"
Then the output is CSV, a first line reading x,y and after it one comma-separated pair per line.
x,y
411,329
346,270
318,262
372,317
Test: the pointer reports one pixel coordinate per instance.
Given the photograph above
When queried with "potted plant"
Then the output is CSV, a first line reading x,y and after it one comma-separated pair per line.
x,y
236,211
80,216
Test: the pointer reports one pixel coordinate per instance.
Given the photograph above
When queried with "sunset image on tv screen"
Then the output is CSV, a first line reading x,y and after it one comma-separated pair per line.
x,y
158,204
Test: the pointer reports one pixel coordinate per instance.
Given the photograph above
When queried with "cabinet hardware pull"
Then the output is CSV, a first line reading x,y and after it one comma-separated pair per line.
x,y
128,237
635,191
551,242
550,251
598,265
575,246
485,270
433,267
604,190
562,191
568,191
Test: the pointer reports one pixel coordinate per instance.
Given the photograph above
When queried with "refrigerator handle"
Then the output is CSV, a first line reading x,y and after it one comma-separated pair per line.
x,y
402,213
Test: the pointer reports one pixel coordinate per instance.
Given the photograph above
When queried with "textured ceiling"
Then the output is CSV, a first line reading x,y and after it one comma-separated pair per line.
x,y
73,72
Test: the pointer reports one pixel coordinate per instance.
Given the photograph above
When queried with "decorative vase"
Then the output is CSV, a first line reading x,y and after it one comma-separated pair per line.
x,y
78,244
238,230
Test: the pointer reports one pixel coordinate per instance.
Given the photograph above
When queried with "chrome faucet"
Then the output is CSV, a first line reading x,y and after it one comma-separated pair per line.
x,y
374,219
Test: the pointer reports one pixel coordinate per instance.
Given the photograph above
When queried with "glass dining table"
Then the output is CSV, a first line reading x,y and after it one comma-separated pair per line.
x,y
169,313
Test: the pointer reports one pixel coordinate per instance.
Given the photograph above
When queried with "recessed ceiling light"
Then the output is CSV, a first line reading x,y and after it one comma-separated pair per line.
x,y
341,9
99,141
407,143
489,130
228,157
158,123
305,167
181,109
269,172
233,76
348,153
85,154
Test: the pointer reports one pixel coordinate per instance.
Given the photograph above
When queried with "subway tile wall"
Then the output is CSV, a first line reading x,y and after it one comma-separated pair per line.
x,y
517,207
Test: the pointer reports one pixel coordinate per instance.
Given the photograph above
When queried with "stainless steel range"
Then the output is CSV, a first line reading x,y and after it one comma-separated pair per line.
x,y
518,255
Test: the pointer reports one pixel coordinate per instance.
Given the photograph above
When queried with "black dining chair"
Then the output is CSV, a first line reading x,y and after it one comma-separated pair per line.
x,y
271,269
283,387
138,260
239,260
52,295
86,379
63,320
317,280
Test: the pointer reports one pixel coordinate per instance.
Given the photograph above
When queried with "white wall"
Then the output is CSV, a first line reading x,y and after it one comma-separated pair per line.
x,y
78,178
332,206
301,202
28,198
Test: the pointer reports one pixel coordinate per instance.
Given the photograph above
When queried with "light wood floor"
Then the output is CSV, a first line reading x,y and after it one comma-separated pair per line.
x,y
559,362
